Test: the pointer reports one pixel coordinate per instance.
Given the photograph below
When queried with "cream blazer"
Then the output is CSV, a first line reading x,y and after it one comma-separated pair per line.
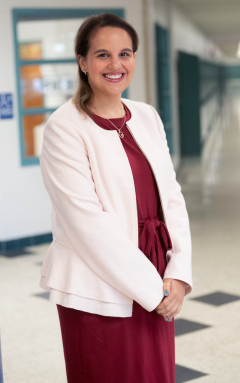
x,y
94,253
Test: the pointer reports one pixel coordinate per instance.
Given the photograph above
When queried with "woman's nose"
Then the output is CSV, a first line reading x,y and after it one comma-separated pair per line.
x,y
115,63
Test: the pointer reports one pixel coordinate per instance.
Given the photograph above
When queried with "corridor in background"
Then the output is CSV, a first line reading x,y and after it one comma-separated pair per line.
x,y
210,319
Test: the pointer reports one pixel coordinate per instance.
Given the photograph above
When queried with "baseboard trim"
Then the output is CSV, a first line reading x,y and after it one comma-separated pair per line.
x,y
16,244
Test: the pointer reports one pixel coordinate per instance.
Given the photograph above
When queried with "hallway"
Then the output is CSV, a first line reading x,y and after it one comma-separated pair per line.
x,y
212,192
207,329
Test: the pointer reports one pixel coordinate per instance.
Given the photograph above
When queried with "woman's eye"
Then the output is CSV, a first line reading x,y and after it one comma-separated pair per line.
x,y
103,55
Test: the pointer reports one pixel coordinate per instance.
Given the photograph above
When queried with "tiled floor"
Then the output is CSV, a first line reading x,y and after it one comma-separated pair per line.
x,y
207,329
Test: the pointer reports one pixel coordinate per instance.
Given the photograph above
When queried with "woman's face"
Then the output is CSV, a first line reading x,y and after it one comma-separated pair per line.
x,y
110,61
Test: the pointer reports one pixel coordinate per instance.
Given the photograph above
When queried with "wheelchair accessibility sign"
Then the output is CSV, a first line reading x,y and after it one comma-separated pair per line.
x,y
6,105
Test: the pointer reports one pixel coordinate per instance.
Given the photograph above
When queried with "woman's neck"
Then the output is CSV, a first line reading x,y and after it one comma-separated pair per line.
x,y
107,107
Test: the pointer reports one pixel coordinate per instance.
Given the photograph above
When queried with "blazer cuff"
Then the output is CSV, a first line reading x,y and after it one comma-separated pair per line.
x,y
155,299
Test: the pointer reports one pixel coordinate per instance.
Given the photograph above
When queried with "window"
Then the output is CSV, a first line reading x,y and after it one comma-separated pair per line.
x,y
46,68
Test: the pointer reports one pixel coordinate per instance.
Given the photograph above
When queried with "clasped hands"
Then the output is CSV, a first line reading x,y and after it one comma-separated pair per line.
x,y
171,304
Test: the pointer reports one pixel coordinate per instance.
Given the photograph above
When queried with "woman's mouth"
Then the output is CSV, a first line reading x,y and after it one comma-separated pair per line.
x,y
116,77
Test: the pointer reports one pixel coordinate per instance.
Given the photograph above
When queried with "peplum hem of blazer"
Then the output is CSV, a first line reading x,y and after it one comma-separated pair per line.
x,y
94,253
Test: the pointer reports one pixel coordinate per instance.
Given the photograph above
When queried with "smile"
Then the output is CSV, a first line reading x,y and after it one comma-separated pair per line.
x,y
114,77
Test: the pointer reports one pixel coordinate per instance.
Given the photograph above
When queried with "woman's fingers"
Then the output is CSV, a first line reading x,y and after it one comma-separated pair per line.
x,y
163,304
171,304
166,291
167,283
169,317
167,309
177,293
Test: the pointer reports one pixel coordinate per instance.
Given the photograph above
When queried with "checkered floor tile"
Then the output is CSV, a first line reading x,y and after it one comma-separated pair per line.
x,y
44,295
183,326
217,299
184,374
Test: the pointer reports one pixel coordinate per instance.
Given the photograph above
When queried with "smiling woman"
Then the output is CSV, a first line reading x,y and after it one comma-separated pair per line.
x,y
120,262
114,62
106,50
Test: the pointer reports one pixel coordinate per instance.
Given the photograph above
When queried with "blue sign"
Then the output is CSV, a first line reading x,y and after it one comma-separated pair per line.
x,y
6,105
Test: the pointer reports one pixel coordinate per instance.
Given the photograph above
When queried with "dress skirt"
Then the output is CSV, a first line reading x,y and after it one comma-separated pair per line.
x,y
136,349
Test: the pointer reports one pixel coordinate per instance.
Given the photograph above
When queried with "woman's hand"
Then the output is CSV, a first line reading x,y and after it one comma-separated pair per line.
x,y
174,292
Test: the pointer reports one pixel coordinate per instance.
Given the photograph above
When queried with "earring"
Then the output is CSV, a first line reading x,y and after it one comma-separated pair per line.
x,y
85,73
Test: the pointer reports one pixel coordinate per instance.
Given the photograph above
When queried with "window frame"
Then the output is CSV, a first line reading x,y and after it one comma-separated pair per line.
x,y
20,14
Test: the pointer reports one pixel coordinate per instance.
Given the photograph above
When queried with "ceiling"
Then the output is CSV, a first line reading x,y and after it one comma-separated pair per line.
x,y
218,19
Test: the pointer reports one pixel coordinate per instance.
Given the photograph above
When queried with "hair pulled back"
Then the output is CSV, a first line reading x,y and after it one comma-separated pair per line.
x,y
89,27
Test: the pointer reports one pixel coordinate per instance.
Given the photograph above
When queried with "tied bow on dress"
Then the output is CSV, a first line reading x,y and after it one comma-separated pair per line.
x,y
154,242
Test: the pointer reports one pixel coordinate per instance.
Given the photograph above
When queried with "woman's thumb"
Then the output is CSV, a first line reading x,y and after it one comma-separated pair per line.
x,y
167,286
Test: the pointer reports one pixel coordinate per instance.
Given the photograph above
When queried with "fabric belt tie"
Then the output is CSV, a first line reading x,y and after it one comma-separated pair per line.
x,y
152,228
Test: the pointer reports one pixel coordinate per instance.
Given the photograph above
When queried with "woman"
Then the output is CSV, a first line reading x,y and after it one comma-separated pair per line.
x,y
117,275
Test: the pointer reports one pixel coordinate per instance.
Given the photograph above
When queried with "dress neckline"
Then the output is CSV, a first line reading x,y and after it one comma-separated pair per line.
x,y
118,119
106,123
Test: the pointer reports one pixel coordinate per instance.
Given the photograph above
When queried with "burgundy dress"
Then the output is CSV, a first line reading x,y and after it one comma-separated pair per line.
x,y
137,349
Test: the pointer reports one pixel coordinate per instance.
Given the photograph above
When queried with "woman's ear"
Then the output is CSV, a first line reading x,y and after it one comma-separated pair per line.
x,y
81,62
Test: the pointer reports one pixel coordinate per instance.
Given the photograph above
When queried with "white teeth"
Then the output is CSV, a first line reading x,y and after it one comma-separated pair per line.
x,y
112,76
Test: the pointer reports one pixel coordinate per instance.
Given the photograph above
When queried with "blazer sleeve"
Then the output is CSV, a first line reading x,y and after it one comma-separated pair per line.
x,y
94,233
179,258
